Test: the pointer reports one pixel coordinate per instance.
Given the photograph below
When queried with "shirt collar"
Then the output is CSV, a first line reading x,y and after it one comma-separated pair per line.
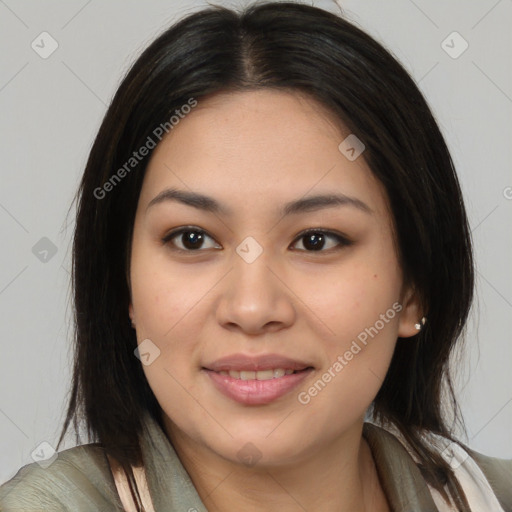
x,y
401,479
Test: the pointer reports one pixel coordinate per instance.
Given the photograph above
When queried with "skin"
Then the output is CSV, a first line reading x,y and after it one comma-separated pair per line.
x,y
253,152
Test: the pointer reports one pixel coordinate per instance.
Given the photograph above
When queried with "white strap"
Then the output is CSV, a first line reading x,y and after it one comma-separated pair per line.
x,y
123,487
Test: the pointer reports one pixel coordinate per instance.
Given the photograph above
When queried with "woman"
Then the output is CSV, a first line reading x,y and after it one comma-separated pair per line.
x,y
271,247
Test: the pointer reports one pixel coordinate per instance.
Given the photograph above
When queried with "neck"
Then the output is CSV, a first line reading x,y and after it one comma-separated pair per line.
x,y
337,477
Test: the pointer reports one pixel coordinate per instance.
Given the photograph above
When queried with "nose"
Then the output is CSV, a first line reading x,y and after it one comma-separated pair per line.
x,y
255,298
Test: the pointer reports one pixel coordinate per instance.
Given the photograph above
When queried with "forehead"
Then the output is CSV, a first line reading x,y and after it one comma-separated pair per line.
x,y
256,148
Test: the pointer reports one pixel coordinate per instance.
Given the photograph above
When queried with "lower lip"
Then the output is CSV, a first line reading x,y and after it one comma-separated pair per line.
x,y
256,392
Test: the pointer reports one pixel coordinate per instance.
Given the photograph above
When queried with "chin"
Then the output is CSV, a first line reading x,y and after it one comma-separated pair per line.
x,y
254,446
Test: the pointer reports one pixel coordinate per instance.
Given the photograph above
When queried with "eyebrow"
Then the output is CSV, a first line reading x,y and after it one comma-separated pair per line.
x,y
303,205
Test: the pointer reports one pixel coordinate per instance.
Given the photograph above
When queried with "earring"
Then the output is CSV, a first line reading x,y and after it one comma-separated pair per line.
x,y
419,326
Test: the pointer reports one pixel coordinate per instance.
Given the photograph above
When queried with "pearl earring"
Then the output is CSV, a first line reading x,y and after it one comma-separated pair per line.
x,y
419,326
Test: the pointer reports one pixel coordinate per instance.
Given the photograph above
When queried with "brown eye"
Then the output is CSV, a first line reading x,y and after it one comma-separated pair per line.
x,y
315,240
190,238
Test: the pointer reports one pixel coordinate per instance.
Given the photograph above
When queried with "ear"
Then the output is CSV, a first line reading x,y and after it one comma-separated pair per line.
x,y
410,315
130,312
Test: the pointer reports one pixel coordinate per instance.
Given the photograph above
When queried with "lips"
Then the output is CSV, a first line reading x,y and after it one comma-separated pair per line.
x,y
256,380
241,362
273,373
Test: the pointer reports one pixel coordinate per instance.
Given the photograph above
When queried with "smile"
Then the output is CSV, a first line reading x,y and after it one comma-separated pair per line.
x,y
257,387
259,375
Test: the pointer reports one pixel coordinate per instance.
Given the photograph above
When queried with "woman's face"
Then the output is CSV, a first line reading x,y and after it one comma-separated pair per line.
x,y
245,290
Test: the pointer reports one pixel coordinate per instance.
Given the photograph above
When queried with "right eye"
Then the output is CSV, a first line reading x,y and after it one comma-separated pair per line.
x,y
190,237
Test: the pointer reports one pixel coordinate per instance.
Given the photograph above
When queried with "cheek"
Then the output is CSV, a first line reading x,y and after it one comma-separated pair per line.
x,y
359,312
166,304
163,294
352,297
356,362
166,301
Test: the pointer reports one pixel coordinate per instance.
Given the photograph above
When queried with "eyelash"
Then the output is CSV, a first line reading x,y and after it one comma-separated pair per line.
x,y
341,239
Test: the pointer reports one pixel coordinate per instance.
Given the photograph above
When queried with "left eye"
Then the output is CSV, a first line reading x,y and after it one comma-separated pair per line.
x,y
192,239
315,239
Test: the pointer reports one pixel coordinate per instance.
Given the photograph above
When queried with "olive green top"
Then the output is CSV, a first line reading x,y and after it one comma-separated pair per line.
x,y
80,479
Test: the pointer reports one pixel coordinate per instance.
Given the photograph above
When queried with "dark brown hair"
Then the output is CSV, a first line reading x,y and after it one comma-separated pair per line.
x,y
299,48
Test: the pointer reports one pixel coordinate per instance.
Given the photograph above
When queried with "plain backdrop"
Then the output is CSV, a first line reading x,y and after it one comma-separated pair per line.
x,y
52,107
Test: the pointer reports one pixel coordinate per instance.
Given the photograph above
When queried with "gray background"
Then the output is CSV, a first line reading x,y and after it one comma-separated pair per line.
x,y
51,109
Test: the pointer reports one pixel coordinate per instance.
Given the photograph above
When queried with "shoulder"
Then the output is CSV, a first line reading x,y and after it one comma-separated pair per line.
x,y
79,479
480,475
492,464
498,472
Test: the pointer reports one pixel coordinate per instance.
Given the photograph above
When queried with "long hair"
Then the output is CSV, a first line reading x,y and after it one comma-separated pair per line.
x,y
293,47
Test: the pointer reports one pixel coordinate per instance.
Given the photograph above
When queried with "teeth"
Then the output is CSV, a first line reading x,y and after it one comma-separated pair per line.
x,y
260,375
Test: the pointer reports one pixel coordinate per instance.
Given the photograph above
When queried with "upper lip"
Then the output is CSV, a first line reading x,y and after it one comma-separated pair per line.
x,y
242,362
